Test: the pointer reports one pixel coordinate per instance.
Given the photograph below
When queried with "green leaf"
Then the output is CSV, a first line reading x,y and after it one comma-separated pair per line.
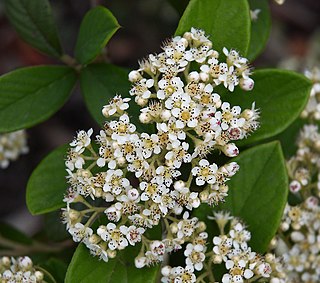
x,y
280,95
56,268
100,83
260,28
31,95
96,29
34,22
258,192
227,22
12,234
47,183
84,268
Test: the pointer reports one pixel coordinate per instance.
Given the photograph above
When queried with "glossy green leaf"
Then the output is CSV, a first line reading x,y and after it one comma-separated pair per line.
x,y
96,29
260,28
84,268
280,95
100,83
31,95
56,268
47,183
34,22
258,192
227,22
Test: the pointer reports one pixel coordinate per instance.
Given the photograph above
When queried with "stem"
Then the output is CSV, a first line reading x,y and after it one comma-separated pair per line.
x,y
45,272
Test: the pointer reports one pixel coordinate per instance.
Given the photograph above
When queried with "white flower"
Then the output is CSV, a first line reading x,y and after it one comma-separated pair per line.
x,y
195,256
11,146
115,183
186,227
74,160
205,173
82,140
169,87
116,105
80,232
122,129
141,88
113,236
132,233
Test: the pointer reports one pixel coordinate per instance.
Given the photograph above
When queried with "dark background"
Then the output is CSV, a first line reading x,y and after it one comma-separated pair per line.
x,y
294,43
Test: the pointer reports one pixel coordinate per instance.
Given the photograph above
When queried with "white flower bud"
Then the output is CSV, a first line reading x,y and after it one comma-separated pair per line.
x,y
204,77
204,196
187,35
297,236
145,118
140,262
111,253
25,263
165,115
217,259
230,150
174,228
284,226
39,275
246,84
6,261
312,203
121,161
141,101
194,77
295,186
134,76
165,271
74,215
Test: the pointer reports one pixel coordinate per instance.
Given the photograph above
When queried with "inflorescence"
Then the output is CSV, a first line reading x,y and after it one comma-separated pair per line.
x,y
11,146
134,181
19,270
298,239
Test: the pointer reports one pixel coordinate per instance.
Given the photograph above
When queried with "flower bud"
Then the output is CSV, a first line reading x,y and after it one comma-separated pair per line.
x,y
39,275
165,115
145,118
246,84
295,186
230,150
194,77
134,76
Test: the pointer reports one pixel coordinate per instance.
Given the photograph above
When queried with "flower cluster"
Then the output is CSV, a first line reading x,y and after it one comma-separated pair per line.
x,y
19,270
11,146
230,249
312,110
298,240
131,181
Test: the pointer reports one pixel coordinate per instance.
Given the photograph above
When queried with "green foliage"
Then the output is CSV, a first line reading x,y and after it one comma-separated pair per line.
x,y
260,28
56,268
84,268
228,22
101,82
179,5
258,192
34,22
96,29
280,95
47,183
29,96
